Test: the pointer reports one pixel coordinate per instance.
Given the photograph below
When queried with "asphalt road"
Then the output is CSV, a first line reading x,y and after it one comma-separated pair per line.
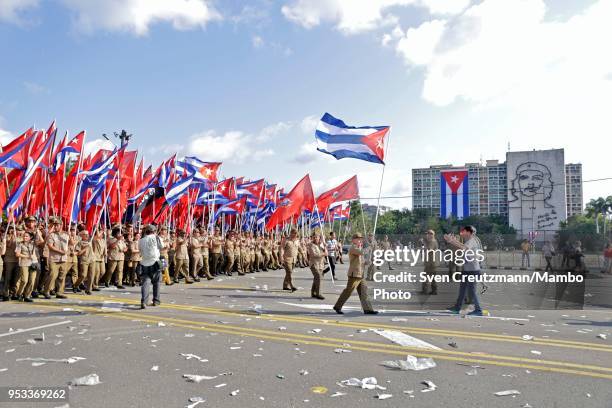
x,y
277,349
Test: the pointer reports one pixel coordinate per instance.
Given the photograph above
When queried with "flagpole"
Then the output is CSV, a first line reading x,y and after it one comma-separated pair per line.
x,y
76,175
382,176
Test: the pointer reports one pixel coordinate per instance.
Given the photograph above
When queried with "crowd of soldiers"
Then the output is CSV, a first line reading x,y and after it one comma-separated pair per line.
x,y
40,258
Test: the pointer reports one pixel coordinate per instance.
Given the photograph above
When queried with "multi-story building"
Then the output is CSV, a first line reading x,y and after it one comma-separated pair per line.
x,y
489,186
573,188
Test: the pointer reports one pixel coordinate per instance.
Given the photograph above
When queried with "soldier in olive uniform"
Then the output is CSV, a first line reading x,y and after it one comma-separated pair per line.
x,y
134,259
164,255
316,259
228,251
181,257
205,243
59,250
195,245
355,278
72,263
86,265
116,259
290,252
99,255
216,244
26,252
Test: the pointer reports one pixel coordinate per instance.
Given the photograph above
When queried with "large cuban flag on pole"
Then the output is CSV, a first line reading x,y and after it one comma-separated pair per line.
x,y
365,143
454,194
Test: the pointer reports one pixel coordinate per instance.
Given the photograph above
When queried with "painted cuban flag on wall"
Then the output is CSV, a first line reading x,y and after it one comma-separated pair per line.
x,y
454,194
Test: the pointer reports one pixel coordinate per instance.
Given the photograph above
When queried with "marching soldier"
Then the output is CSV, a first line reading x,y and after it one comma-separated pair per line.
x,y
216,244
116,259
10,263
205,243
134,259
86,267
290,252
228,250
355,278
316,259
26,252
72,264
164,255
171,254
181,258
195,244
2,252
59,250
99,255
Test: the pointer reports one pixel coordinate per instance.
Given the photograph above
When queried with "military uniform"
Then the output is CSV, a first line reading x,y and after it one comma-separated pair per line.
x,y
99,254
163,253
181,259
204,242
28,255
72,262
229,255
134,261
116,259
56,279
196,257
216,243
316,260
86,265
355,281
290,253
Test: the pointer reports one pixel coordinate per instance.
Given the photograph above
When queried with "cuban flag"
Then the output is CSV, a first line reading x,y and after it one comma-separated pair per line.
x,y
454,194
367,143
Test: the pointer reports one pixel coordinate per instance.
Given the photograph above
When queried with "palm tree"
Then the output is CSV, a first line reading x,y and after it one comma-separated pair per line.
x,y
595,207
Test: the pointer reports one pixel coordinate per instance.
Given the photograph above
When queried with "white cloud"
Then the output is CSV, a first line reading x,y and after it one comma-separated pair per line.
x,y
5,137
167,149
94,145
355,16
273,130
309,124
233,146
308,153
35,88
137,16
257,41
419,44
11,10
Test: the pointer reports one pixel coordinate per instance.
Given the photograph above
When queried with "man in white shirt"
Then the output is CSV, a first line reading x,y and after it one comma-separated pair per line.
x,y
150,269
332,249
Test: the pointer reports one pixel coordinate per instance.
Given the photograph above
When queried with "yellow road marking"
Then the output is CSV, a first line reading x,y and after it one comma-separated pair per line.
x,y
361,345
358,325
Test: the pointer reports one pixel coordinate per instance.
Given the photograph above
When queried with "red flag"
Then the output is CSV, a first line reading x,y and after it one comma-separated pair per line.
x,y
349,190
300,198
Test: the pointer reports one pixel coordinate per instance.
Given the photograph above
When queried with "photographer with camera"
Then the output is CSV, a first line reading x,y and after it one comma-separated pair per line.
x,y
151,265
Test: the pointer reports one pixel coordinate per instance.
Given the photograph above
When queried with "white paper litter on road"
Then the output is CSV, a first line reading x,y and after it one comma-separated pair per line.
x,y
197,378
383,396
303,372
189,356
90,379
337,394
430,386
9,350
341,350
536,352
196,401
155,368
220,385
3,370
472,372
234,393
527,337
110,309
404,339
602,336
314,331
368,383
411,363
161,324
507,393
69,360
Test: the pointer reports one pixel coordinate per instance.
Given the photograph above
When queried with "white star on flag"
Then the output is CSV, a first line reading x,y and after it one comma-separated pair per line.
x,y
454,179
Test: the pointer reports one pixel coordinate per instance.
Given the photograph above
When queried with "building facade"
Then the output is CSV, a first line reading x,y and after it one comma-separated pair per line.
x,y
492,192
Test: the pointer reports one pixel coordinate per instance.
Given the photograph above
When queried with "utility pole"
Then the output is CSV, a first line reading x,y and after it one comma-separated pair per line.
x,y
123,136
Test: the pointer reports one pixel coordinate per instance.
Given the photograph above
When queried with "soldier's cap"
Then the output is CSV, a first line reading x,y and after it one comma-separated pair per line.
x,y
357,235
20,228
31,218
293,231
84,232
55,221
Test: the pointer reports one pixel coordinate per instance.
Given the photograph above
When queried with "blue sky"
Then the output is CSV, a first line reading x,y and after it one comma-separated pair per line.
x,y
244,82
